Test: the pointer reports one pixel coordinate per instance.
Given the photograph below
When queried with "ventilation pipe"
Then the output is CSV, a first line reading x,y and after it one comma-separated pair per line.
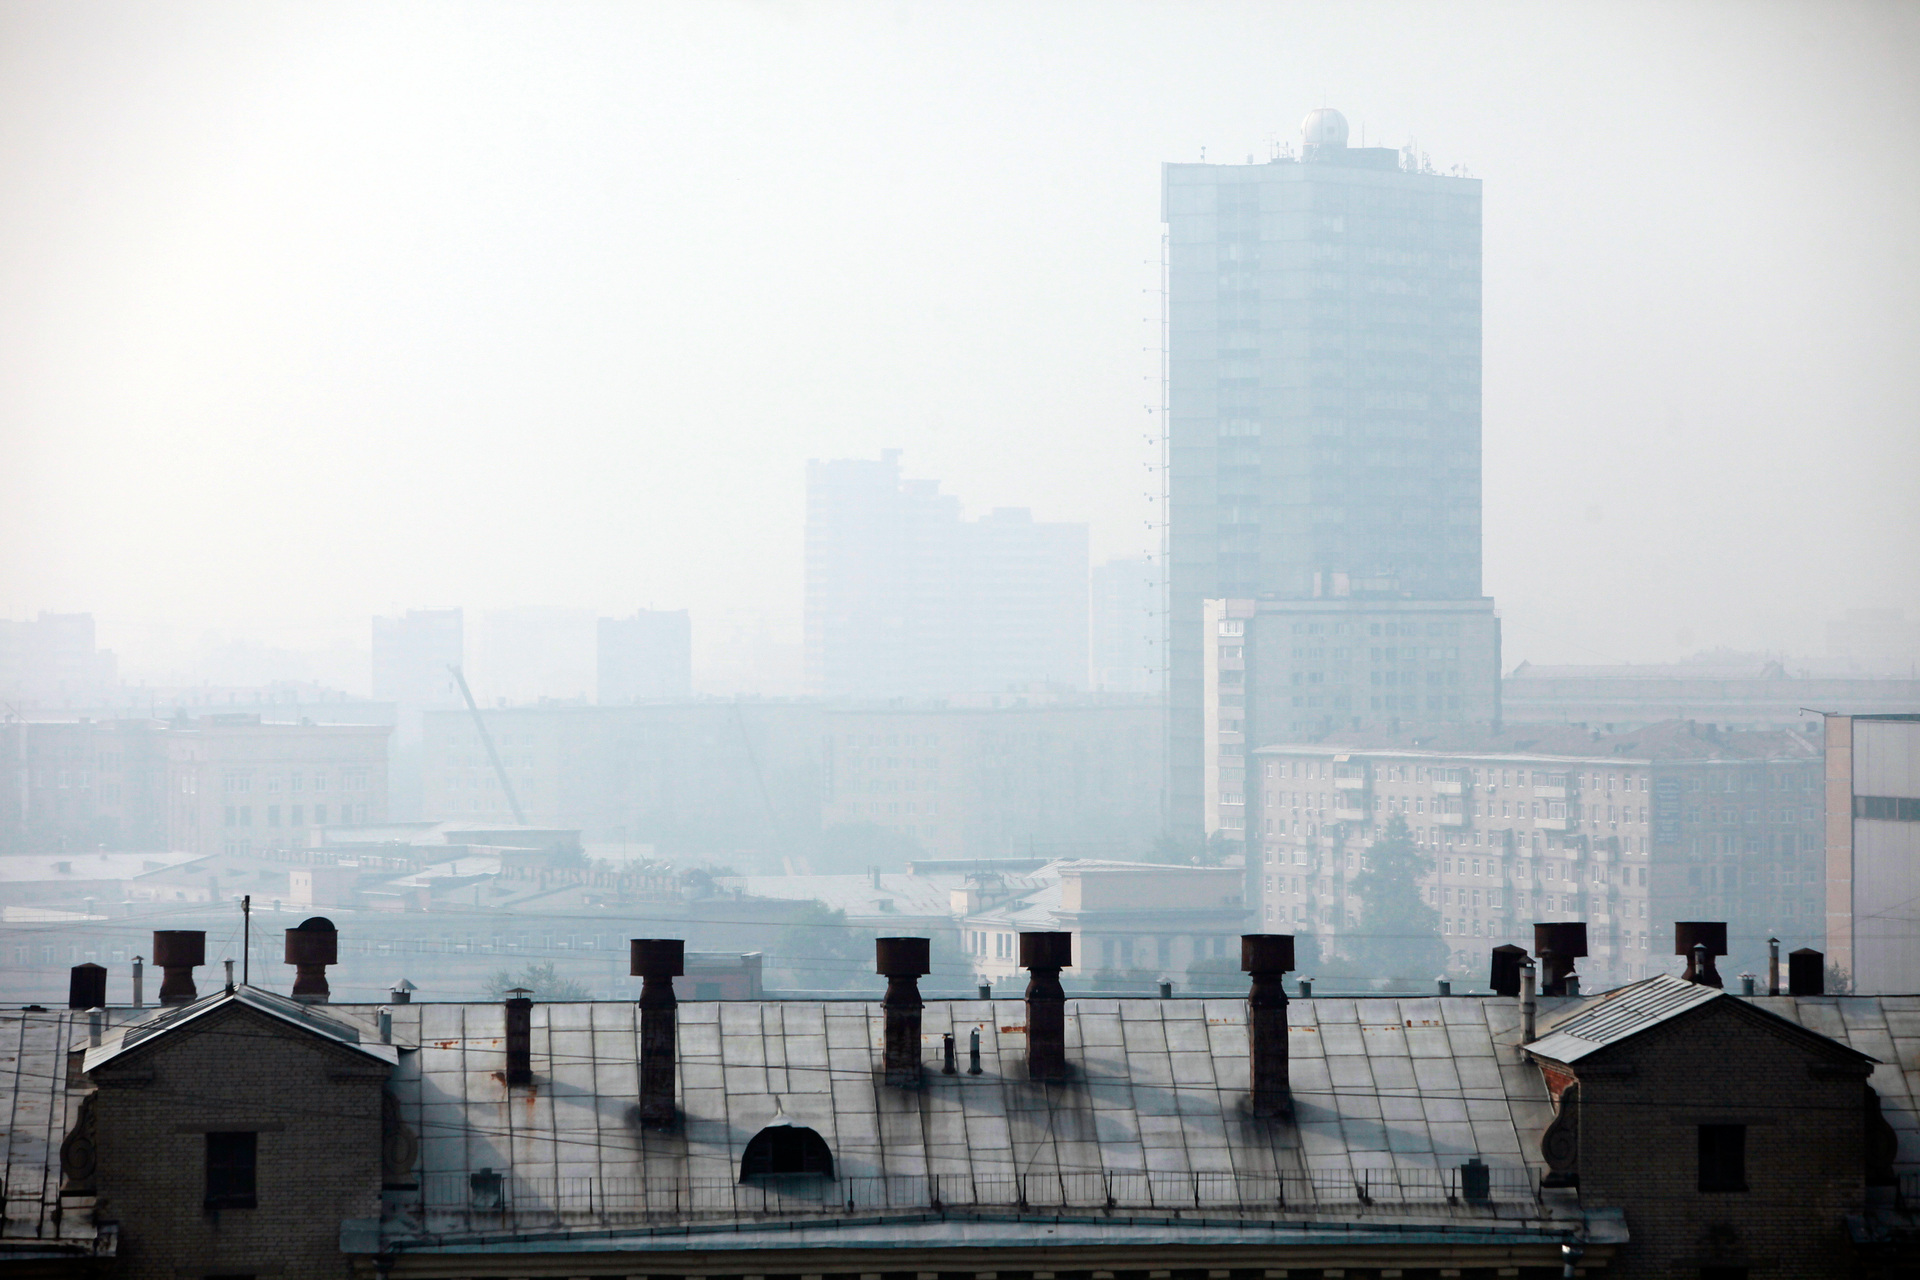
x,y
402,992
519,1036
86,986
1806,973
1773,966
139,984
1504,980
901,961
312,945
1700,941
1268,956
1044,955
178,952
1557,946
657,962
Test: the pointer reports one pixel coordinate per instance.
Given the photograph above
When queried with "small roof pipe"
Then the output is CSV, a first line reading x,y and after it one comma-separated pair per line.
x,y
1773,966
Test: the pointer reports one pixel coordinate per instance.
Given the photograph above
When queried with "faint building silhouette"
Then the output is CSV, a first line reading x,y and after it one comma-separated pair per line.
x,y
646,657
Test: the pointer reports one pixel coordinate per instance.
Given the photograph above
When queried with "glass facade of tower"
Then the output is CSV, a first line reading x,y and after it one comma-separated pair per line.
x,y
1324,428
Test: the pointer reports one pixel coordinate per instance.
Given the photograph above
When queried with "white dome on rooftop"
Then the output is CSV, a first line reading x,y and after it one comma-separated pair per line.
x,y
1324,128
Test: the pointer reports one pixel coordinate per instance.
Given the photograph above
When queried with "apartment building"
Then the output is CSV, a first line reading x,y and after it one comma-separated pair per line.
x,y
1626,832
1873,849
1278,671
236,784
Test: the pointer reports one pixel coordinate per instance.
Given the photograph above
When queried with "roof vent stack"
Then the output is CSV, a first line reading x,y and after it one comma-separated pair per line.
x,y
1806,973
1528,1008
1505,976
519,1037
1044,955
1700,941
1773,966
312,945
902,961
87,986
402,992
1557,946
178,952
657,962
1268,956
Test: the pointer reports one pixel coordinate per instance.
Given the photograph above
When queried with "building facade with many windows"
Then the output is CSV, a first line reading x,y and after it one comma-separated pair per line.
x,y
1323,372
1627,833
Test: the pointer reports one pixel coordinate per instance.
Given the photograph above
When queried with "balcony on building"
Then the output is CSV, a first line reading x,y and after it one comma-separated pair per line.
x,y
1350,813
1349,777
1554,788
1449,782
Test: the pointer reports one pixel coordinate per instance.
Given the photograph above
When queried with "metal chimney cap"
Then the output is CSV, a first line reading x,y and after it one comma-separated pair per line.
x,y
316,924
1266,952
1688,934
656,957
1046,950
902,957
403,985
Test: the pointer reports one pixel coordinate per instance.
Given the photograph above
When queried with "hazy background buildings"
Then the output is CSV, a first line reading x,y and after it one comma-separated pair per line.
x,y
947,401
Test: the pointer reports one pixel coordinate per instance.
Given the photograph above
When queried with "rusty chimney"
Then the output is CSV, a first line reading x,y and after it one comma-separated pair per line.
x,y
177,952
312,945
657,962
519,1036
1505,977
1557,946
1044,955
901,961
87,987
1700,941
1806,973
1267,956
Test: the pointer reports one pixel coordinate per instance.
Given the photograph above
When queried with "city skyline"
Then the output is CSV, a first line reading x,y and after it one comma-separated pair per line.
x,y
272,311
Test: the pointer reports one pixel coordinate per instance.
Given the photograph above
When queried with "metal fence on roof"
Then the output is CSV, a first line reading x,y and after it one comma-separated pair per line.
x,y
492,1199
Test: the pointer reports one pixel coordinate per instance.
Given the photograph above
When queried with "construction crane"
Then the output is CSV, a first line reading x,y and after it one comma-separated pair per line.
x,y
499,770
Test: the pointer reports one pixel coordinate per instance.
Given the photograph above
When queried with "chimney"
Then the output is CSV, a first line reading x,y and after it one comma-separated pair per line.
x,y
901,961
1700,941
177,951
1806,973
402,992
312,945
657,962
1044,955
519,1036
86,987
139,984
1528,1008
1773,966
1267,956
1505,977
1557,946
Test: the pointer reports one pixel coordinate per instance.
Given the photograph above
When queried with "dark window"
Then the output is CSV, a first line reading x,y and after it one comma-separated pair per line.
x,y
1723,1157
231,1159
786,1148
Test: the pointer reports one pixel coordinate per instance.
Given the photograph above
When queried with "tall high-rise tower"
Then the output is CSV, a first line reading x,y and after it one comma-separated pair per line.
x,y
1324,366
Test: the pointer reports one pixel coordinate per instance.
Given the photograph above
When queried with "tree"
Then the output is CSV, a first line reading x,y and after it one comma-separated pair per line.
x,y
542,979
820,952
1398,935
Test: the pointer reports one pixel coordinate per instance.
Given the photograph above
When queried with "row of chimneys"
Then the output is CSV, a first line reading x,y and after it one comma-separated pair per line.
x,y
1559,944
1267,957
312,945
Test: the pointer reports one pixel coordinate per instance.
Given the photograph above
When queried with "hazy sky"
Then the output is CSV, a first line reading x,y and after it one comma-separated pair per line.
x,y
314,311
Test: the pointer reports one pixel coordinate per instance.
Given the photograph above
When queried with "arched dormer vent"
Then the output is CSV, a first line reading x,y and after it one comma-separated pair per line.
x,y
785,1148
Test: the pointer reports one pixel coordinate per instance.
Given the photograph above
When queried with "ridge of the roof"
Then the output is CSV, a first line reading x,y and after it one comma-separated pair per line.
x,y
171,1018
1616,1016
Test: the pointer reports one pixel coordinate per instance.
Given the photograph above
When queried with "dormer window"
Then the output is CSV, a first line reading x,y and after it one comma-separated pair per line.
x,y
786,1148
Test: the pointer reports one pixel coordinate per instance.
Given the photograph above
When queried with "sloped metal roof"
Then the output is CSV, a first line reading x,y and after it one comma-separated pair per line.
x,y
131,1035
1621,1014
